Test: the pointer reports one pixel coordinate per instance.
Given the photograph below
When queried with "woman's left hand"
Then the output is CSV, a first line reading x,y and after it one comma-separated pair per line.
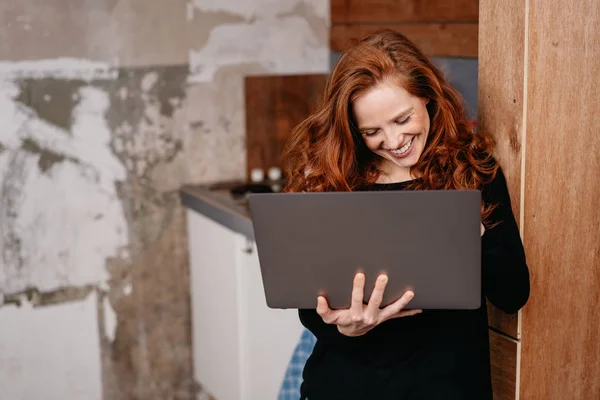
x,y
360,318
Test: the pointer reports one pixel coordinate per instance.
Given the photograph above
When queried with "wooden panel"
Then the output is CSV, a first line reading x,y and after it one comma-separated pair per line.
x,y
503,357
500,103
381,11
505,323
451,40
274,106
561,323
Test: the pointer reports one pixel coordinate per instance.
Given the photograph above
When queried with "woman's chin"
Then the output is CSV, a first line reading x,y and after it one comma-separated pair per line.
x,y
408,161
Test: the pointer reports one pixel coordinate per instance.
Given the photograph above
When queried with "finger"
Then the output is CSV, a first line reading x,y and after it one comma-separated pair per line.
x,y
328,315
323,310
376,298
358,292
406,313
397,306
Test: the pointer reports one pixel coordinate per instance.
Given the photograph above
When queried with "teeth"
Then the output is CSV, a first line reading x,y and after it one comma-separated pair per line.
x,y
404,148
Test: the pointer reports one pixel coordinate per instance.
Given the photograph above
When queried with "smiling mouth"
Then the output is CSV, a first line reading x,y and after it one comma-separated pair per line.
x,y
404,149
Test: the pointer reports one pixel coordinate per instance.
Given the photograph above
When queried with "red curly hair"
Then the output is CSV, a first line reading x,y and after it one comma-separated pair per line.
x,y
327,153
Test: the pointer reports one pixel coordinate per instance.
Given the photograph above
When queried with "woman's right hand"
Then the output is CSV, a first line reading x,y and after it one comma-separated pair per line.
x,y
360,318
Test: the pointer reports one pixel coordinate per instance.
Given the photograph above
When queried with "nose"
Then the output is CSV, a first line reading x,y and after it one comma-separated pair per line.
x,y
392,138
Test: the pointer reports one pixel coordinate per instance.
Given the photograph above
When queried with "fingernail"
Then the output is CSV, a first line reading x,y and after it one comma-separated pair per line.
x,y
383,278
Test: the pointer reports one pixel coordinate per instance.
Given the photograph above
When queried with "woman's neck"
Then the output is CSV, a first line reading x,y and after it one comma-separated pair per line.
x,y
394,174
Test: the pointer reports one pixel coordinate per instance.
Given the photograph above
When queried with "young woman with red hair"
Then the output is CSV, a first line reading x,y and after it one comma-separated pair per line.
x,y
389,120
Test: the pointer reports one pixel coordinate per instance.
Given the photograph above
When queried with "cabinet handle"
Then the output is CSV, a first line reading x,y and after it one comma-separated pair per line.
x,y
249,248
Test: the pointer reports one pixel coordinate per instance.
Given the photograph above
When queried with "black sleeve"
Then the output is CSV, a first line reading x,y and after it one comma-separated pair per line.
x,y
504,268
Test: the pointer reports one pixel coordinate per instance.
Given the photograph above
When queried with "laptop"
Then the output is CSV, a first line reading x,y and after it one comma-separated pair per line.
x,y
312,244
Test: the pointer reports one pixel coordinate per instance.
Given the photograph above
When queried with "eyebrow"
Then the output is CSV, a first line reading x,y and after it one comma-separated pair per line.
x,y
400,115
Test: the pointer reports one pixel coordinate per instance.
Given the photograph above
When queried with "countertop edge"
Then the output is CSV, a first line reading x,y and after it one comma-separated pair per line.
x,y
202,202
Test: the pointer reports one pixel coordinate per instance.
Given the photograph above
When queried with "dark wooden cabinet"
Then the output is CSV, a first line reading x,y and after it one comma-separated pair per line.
x,y
275,104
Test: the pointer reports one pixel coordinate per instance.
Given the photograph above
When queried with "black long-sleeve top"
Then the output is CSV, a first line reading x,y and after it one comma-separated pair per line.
x,y
439,354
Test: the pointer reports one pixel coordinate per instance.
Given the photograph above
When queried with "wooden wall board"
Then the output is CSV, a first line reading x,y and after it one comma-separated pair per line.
x,y
503,357
500,104
561,323
434,39
395,11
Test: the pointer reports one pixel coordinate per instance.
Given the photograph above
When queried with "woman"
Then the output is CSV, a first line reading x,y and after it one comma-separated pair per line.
x,y
390,121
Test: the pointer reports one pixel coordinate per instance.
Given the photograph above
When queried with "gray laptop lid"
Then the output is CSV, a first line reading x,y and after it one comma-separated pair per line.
x,y
314,243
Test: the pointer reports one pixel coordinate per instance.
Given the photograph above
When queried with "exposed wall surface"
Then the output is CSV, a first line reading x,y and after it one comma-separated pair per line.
x,y
106,108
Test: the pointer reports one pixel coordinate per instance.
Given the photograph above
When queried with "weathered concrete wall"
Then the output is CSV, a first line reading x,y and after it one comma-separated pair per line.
x,y
106,108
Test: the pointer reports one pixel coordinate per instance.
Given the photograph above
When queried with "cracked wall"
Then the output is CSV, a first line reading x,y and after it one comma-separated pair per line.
x,y
106,109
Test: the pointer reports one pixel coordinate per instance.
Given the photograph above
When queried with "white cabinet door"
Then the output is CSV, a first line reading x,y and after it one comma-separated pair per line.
x,y
241,347
269,336
215,300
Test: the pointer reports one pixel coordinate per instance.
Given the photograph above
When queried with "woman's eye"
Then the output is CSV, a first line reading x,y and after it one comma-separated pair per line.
x,y
403,121
370,133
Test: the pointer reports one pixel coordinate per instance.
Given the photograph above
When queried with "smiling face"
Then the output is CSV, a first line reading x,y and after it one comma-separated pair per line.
x,y
394,125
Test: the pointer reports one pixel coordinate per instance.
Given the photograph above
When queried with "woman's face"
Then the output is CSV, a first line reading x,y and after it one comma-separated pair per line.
x,y
394,125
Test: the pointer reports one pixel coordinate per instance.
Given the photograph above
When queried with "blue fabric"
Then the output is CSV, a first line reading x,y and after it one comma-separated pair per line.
x,y
290,388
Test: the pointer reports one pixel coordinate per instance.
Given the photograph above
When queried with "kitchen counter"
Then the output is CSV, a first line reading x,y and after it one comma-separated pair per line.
x,y
217,203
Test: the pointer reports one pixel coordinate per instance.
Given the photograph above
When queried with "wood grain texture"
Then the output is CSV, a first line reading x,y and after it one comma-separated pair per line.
x,y
434,39
382,11
561,323
500,104
505,323
274,106
503,357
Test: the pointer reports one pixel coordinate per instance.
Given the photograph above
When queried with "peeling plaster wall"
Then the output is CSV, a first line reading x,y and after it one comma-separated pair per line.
x,y
282,37
56,354
254,37
106,109
81,212
58,186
